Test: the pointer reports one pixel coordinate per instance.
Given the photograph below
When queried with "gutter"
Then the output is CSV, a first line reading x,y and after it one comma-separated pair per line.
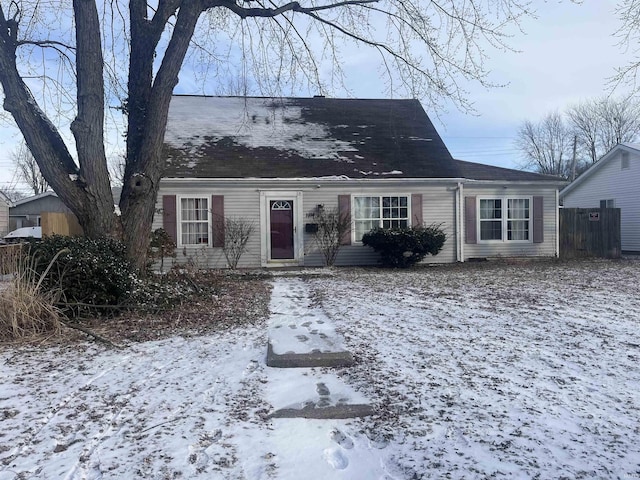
x,y
341,181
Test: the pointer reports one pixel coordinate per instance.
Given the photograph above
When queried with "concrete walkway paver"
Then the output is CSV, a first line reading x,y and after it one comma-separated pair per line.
x,y
302,337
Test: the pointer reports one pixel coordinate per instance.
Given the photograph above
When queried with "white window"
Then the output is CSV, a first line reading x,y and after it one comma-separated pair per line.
x,y
505,219
608,203
624,161
194,221
386,211
490,219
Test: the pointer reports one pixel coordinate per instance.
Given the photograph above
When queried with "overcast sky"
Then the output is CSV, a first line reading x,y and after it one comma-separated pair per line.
x,y
565,55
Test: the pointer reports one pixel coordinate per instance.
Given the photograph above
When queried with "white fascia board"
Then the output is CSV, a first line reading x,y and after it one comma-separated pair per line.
x,y
517,183
302,182
324,181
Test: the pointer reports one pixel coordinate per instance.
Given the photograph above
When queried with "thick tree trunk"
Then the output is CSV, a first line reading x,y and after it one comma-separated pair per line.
x,y
148,107
88,126
84,190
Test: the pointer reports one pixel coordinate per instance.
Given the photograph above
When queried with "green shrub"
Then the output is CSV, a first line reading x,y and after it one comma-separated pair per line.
x,y
91,274
156,293
404,247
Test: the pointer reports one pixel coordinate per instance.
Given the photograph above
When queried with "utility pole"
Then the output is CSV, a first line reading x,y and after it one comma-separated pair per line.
x,y
573,160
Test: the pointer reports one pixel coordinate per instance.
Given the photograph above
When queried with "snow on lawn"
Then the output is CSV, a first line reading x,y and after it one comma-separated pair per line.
x,y
476,371
513,371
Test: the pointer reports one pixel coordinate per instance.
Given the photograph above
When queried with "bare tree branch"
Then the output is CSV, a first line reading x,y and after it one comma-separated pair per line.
x,y
129,54
28,170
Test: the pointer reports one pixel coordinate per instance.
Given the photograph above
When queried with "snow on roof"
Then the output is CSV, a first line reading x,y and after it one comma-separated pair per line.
x,y
253,123
243,137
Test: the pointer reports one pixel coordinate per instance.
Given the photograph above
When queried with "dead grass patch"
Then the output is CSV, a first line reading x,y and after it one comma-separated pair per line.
x,y
26,309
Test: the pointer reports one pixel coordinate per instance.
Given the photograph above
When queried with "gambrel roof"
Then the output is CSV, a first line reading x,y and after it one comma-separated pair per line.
x,y
479,171
267,137
239,137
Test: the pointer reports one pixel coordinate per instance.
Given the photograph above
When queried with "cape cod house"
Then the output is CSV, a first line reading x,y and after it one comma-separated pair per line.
x,y
273,161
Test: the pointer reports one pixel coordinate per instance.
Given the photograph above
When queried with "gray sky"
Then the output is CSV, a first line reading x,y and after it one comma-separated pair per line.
x,y
565,55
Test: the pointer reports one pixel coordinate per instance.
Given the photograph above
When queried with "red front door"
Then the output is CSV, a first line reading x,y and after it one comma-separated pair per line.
x,y
281,222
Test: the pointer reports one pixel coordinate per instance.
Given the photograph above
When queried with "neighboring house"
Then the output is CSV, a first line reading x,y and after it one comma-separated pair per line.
x,y
274,161
28,211
612,182
5,203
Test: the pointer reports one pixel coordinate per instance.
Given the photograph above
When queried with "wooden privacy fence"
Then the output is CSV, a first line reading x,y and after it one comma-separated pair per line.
x,y
590,232
56,223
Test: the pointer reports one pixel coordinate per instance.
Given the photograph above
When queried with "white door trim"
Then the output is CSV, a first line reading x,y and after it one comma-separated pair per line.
x,y
265,227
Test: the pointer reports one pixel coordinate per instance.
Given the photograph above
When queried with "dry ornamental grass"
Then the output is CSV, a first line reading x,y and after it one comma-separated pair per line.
x,y
25,308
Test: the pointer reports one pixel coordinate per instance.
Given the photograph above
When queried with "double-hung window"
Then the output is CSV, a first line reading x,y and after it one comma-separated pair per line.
x,y
505,219
194,221
386,211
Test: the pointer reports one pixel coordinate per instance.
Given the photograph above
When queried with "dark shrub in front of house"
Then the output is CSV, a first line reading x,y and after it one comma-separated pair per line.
x,y
404,247
92,275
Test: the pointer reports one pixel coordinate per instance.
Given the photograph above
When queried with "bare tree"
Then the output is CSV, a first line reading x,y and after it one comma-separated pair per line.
x,y
546,145
237,232
600,124
426,48
330,230
628,34
584,118
12,194
116,170
28,170
620,121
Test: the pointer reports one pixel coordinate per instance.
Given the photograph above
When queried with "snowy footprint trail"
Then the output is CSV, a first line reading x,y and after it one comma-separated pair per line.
x,y
312,448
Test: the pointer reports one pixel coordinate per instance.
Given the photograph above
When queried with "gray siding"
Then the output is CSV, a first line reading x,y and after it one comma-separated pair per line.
x,y
45,204
238,203
438,207
439,200
517,249
28,213
610,181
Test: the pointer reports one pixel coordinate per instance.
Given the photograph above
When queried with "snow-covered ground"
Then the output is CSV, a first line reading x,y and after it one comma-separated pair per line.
x,y
476,371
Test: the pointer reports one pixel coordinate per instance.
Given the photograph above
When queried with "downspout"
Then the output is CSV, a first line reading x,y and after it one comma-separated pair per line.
x,y
557,223
459,223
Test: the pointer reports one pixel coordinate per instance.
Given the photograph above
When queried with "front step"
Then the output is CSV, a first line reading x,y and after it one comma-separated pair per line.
x,y
307,360
312,410
325,405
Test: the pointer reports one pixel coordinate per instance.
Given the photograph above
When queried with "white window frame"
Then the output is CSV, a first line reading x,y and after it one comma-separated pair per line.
x,y
624,161
179,220
608,203
504,218
358,241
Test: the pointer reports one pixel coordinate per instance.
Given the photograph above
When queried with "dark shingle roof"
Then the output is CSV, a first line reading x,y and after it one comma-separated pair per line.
x,y
237,137
264,137
479,171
